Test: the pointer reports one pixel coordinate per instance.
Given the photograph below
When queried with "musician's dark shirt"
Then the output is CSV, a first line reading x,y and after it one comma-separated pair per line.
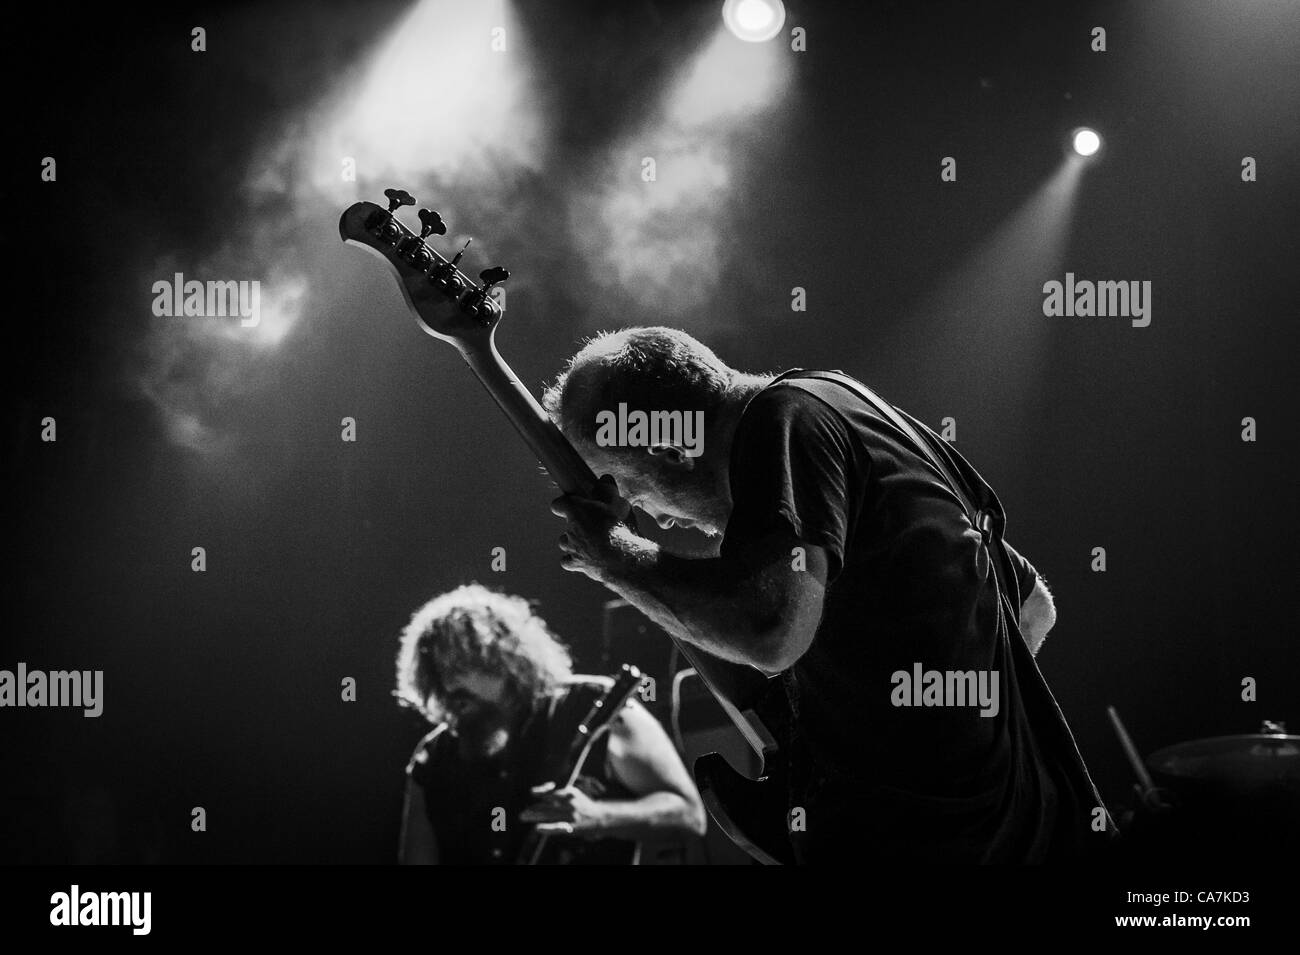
x,y
461,795
910,581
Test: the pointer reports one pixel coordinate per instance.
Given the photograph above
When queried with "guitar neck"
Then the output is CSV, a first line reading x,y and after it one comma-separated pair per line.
x,y
570,472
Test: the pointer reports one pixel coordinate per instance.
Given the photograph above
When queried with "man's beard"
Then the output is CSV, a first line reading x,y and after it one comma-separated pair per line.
x,y
482,733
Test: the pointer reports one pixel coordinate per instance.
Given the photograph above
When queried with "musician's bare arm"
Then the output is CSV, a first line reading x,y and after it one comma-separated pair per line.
x,y
419,845
641,756
760,606
645,761
1037,615
762,609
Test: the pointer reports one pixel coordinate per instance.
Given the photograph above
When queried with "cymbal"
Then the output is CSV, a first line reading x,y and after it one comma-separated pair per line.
x,y
1248,758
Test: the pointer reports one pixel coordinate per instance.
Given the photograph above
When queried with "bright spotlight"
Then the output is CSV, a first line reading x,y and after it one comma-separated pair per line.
x,y
1086,141
754,20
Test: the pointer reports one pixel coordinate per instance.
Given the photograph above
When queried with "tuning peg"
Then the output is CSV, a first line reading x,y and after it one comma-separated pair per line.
x,y
476,303
447,278
431,224
398,197
493,276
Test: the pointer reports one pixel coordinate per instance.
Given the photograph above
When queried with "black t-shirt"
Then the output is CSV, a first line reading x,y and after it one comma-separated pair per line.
x,y
462,797
909,583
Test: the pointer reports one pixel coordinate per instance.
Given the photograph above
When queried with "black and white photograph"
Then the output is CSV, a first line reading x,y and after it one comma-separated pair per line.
x,y
671,433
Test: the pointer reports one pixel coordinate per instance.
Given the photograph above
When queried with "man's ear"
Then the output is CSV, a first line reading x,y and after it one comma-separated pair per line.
x,y
673,456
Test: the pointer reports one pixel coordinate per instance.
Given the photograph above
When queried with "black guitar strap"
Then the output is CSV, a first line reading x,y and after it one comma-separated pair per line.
x,y
985,521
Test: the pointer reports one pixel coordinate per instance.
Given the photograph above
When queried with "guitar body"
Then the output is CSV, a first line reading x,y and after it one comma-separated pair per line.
x,y
752,813
450,307
751,803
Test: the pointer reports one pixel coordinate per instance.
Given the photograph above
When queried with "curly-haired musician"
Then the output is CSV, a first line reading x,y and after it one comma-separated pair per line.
x,y
498,684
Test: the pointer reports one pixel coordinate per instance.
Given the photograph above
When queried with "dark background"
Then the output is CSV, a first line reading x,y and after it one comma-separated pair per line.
x,y
222,688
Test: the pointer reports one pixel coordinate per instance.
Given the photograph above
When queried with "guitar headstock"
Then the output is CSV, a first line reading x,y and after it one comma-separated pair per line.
x,y
608,707
446,302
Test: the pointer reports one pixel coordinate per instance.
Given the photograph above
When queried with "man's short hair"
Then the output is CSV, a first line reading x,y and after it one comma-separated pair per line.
x,y
648,369
474,628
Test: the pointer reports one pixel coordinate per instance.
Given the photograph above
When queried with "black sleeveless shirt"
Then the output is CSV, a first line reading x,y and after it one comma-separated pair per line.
x,y
474,805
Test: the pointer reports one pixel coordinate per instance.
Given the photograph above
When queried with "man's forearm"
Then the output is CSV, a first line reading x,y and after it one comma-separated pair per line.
x,y
712,603
657,814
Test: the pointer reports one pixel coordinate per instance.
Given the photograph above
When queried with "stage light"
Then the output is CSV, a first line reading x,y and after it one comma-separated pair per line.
x,y
754,21
720,99
727,81
1086,141
445,94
